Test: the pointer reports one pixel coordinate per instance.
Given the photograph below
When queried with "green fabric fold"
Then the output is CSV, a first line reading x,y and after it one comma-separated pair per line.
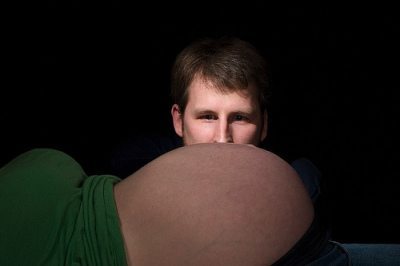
x,y
52,213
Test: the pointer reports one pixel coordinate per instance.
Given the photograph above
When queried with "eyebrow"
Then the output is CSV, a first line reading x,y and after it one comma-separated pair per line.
x,y
200,111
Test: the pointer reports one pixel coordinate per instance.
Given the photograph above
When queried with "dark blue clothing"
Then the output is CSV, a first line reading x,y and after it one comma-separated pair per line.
x,y
140,150
310,175
373,254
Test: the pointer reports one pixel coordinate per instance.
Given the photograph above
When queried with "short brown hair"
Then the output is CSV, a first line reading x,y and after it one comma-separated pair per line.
x,y
229,63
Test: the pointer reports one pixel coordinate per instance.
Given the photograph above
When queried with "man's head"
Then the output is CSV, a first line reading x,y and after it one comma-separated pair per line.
x,y
219,90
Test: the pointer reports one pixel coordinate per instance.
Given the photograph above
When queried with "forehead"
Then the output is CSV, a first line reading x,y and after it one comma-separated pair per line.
x,y
206,97
202,88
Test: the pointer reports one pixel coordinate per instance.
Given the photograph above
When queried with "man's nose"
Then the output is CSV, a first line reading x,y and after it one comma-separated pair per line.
x,y
223,133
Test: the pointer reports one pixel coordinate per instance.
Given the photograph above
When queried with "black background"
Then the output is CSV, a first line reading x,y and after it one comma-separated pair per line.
x,y
85,81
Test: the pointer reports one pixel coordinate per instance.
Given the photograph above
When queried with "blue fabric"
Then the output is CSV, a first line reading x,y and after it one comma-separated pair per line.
x,y
310,175
363,254
333,255
315,248
137,151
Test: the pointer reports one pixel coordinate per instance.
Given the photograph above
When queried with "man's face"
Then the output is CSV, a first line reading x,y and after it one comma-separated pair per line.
x,y
212,116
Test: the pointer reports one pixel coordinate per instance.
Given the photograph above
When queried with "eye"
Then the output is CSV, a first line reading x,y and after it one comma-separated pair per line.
x,y
240,117
208,117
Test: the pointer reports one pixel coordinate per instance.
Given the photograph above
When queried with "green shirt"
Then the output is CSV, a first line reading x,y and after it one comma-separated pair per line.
x,y
52,213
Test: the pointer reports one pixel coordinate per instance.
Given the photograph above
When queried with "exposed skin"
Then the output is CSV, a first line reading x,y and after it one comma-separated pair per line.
x,y
212,116
205,205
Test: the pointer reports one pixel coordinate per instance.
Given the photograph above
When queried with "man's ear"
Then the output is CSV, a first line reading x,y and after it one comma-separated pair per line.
x,y
177,117
265,126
